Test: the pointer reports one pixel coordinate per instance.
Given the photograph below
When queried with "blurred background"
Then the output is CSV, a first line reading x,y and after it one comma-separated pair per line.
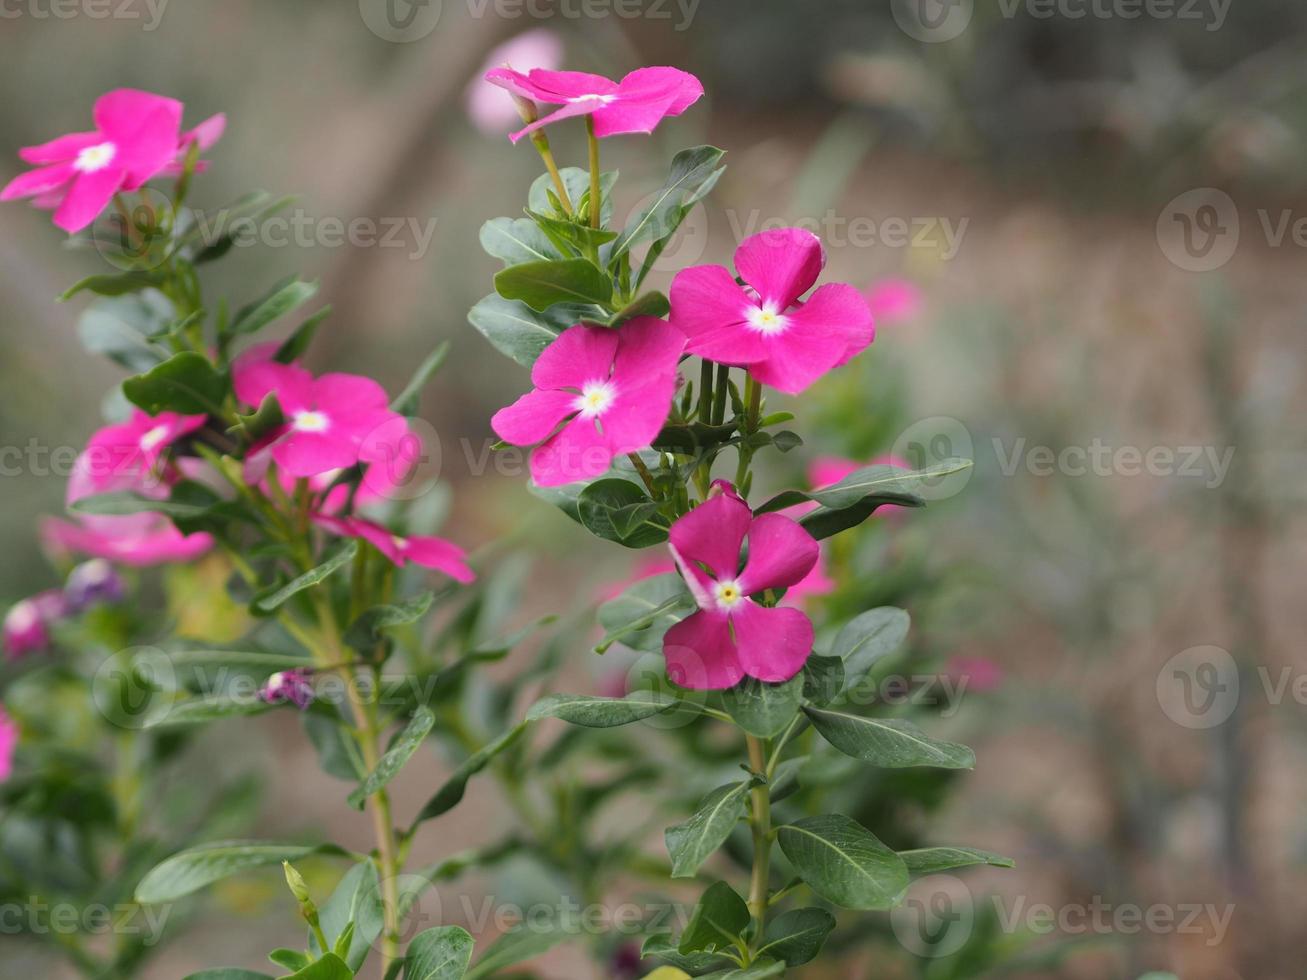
x,y
1084,226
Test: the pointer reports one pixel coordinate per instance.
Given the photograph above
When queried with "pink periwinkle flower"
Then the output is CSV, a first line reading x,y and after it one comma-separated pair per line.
x,y
490,110
134,448
613,388
137,136
131,539
732,636
92,583
428,551
8,743
205,135
289,686
894,300
28,624
980,674
783,341
636,104
328,419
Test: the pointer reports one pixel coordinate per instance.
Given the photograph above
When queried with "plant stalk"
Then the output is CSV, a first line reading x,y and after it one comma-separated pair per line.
x,y
760,823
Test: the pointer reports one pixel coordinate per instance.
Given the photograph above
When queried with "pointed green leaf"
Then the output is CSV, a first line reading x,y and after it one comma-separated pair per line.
x,y
541,285
197,867
336,560
516,240
514,947
287,295
185,383
718,922
762,709
796,936
843,862
869,637
594,712
693,842
932,860
388,767
442,953
451,793
890,743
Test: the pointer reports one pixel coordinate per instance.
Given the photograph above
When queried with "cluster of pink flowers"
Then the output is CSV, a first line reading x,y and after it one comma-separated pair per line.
x,y
137,137
29,624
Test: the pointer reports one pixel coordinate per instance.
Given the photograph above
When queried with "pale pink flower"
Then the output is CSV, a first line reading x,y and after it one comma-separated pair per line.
x,y
613,388
894,300
784,341
25,630
636,104
428,551
206,134
732,636
136,137
490,110
980,674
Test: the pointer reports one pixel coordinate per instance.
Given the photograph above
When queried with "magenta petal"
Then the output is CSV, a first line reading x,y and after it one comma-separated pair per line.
x,y
578,452
822,334
544,85
678,88
533,417
311,453
350,396
710,308
253,378
700,653
781,553
208,132
580,354
120,114
60,149
582,107
647,349
443,556
781,264
772,644
88,195
712,533
40,181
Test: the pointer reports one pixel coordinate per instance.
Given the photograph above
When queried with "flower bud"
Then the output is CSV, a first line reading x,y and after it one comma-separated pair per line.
x,y
93,582
298,887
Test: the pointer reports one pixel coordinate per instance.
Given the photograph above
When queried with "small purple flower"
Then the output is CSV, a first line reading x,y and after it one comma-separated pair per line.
x,y
626,961
93,582
27,625
289,685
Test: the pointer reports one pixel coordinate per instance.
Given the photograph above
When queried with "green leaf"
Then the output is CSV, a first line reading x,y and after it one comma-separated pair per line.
x,y
693,842
122,502
796,937
286,296
718,922
255,662
329,967
339,558
785,781
297,344
842,862
660,947
519,332
516,240
388,767
365,632
198,867
442,953
620,511
541,285
932,860
185,383
577,182
869,637
451,793
408,400
890,743
113,285
593,712
227,973
684,187
514,947
262,420
338,755
756,970
762,709
644,612
121,328
649,304
577,238
290,959
823,679
202,711
356,902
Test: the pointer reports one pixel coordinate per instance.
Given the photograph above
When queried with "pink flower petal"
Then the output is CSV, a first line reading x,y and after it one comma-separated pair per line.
x,y
710,308
87,197
543,85
580,354
254,378
661,83
120,114
533,417
351,396
311,453
772,644
713,533
781,264
648,349
206,133
61,149
823,333
781,553
441,555
581,107
700,653
578,452
40,181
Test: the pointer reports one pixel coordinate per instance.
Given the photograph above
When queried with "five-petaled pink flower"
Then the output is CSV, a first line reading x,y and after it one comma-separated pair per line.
x,y
784,342
427,550
134,448
893,300
328,419
137,136
731,635
614,388
636,104
8,742
28,623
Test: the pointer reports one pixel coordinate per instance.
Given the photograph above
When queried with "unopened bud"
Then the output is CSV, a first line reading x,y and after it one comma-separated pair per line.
x,y
298,887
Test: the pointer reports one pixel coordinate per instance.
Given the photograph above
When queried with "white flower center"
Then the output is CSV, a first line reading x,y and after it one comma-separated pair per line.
x,y
311,422
154,437
728,594
276,680
596,398
95,158
596,97
399,543
22,617
767,320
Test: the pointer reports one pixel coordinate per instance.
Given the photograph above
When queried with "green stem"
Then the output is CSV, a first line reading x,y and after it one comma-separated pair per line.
x,y
723,389
595,198
541,142
760,824
643,470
